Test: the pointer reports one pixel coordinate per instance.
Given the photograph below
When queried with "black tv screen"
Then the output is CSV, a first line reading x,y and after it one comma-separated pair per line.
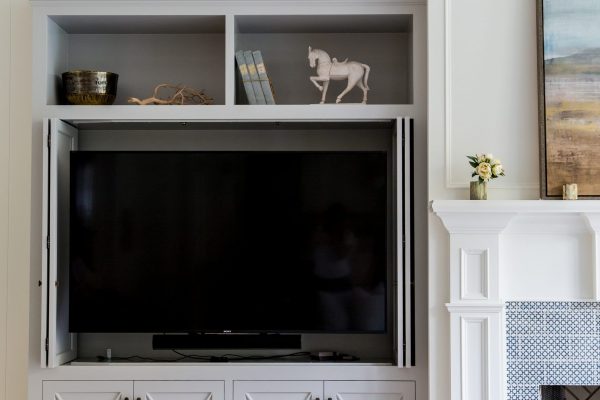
x,y
228,241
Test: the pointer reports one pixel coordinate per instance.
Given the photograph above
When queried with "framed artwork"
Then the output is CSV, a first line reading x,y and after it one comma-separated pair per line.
x,y
569,96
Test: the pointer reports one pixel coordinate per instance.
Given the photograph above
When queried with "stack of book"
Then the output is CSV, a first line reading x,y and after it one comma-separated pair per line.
x,y
254,76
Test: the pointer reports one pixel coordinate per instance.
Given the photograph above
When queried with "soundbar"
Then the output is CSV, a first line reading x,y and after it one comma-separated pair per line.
x,y
226,341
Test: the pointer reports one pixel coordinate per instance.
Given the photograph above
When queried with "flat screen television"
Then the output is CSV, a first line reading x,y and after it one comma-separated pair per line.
x,y
269,242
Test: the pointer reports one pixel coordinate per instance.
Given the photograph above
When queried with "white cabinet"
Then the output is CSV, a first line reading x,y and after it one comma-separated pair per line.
x,y
324,390
390,36
278,390
179,390
242,390
88,390
124,390
369,390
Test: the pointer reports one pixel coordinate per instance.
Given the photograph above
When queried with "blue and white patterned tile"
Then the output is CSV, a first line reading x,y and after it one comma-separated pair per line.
x,y
513,351
555,373
594,348
551,343
556,322
522,393
588,325
582,374
514,373
532,373
557,348
597,322
530,392
584,305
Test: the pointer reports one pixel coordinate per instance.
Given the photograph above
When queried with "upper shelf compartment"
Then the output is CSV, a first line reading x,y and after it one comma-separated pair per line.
x,y
145,51
383,42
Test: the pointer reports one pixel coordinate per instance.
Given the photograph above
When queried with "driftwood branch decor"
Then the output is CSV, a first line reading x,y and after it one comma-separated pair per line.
x,y
180,95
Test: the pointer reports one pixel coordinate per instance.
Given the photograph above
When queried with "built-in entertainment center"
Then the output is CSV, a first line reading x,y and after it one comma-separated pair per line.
x,y
229,251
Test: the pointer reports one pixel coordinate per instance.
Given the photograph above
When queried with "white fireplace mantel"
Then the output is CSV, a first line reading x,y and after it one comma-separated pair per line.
x,y
479,232
464,216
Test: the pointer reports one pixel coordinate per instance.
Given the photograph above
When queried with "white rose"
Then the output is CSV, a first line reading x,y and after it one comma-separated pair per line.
x,y
497,169
489,156
480,158
484,170
496,162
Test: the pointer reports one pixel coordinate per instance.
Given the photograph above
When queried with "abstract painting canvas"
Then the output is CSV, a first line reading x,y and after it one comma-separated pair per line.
x,y
569,85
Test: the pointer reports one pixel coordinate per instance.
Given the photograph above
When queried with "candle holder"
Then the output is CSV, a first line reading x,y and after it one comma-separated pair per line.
x,y
570,191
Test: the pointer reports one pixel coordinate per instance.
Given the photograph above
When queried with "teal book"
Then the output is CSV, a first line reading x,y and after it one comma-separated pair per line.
x,y
258,92
263,77
241,62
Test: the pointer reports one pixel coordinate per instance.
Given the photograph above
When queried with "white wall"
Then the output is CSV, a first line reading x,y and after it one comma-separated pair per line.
x,y
482,94
15,185
482,98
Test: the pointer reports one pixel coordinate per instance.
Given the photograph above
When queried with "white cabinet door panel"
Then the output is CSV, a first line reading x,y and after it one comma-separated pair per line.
x,y
179,390
278,390
87,390
404,183
58,344
369,390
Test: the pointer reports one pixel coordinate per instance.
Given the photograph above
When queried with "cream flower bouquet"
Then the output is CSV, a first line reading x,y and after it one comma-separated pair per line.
x,y
486,167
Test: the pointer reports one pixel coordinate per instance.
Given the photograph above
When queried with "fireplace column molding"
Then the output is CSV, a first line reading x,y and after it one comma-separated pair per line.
x,y
476,310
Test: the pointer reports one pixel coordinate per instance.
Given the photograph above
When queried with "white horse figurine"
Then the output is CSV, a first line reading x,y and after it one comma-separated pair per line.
x,y
355,72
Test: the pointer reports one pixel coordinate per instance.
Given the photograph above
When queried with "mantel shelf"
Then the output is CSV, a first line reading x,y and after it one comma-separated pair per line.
x,y
445,207
329,112
532,216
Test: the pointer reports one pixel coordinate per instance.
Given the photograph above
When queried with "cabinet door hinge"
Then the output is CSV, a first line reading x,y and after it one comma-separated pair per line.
x,y
48,242
49,139
47,344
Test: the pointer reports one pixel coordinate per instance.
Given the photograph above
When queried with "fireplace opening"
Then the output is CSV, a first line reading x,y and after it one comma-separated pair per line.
x,y
565,392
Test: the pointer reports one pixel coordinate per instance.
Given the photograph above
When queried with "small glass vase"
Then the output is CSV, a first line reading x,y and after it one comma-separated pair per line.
x,y
478,190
